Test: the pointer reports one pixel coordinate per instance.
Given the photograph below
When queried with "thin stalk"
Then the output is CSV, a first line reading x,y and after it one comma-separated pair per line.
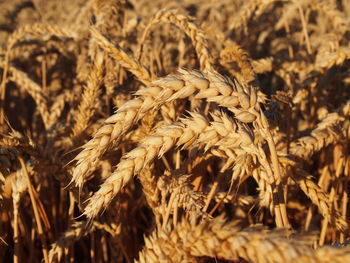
x,y
306,35
36,211
277,189
15,231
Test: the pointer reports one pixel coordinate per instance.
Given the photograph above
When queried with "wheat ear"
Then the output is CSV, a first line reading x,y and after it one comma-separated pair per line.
x,y
124,59
210,86
188,25
188,132
218,239
89,97
318,196
58,248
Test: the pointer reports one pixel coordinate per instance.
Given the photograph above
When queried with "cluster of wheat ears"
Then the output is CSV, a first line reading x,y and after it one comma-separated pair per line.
x,y
174,131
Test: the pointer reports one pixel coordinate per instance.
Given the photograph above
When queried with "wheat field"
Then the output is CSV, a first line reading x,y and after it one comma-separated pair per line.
x,y
174,131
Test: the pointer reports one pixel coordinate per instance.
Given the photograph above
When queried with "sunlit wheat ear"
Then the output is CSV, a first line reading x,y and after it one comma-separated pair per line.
x,y
228,241
223,132
163,90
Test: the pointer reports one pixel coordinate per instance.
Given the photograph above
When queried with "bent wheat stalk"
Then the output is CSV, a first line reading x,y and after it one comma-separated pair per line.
x,y
23,81
186,24
124,59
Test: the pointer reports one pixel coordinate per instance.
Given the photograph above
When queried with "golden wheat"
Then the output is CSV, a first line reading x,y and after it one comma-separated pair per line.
x,y
174,131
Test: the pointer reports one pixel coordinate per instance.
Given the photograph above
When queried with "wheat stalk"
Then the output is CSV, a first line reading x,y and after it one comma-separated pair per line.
x,y
186,24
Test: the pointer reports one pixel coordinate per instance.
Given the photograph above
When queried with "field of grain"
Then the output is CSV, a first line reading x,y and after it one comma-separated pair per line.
x,y
174,131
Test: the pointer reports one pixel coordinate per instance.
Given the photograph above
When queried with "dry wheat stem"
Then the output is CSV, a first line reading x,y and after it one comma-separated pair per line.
x,y
19,185
36,212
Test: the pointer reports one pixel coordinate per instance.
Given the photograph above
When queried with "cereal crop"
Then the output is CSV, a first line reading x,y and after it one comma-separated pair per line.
x,y
174,131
